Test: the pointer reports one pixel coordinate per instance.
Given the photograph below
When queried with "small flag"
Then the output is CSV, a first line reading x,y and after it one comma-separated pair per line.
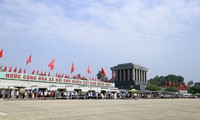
x,y
49,74
25,71
1,53
20,70
5,69
51,64
15,70
28,60
89,70
10,70
33,72
63,75
103,72
45,74
66,76
73,68
37,72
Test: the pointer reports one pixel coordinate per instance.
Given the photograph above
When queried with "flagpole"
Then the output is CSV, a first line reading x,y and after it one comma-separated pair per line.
x,y
71,80
1,65
89,83
1,61
72,71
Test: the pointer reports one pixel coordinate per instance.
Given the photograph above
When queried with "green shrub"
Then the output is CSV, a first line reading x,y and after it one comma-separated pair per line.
x,y
198,95
172,89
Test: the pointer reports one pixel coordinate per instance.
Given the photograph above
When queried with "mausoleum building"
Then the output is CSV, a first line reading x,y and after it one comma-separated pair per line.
x,y
130,75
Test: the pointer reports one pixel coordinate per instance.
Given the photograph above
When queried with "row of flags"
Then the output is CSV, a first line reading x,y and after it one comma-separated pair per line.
x,y
50,65
36,72
177,85
15,70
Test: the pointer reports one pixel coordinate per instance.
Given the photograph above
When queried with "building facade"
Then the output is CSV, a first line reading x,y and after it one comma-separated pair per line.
x,y
130,75
12,80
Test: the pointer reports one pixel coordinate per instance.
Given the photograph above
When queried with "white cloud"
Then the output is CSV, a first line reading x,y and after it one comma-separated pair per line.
x,y
143,29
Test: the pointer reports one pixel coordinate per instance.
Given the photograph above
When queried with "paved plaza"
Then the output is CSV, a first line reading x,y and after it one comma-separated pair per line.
x,y
142,109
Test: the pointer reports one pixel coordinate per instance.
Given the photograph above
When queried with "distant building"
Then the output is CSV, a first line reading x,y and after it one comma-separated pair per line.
x,y
130,75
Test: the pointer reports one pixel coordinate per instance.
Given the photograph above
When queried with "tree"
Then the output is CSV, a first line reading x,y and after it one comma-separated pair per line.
x,y
174,80
153,87
159,81
101,76
197,84
195,89
190,83
172,89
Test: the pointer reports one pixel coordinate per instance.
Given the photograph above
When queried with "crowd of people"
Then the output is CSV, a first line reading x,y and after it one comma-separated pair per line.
x,y
58,94
78,94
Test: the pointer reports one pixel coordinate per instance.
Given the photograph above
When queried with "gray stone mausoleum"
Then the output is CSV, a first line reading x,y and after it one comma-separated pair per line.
x,y
130,75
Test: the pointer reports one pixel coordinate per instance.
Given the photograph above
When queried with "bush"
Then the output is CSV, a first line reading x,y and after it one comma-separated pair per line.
x,y
198,95
153,87
194,89
172,89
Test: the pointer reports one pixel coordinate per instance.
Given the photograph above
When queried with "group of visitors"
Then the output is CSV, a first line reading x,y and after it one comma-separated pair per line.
x,y
58,94
64,94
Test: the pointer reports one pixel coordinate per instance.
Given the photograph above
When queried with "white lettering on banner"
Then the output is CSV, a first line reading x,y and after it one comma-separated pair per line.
x,y
51,79
18,76
76,82
66,81
29,77
15,76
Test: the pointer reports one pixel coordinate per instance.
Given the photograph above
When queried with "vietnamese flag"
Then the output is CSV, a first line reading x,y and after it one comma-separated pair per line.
x,y
37,72
66,76
5,68
51,64
1,53
89,70
10,70
28,60
15,70
20,70
25,71
103,72
45,74
73,68
63,75
33,72
49,74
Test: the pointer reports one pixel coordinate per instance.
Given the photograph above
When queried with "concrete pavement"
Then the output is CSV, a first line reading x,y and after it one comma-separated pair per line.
x,y
142,109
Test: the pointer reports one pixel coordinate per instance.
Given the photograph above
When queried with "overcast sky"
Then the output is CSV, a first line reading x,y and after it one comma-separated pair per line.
x,y
162,35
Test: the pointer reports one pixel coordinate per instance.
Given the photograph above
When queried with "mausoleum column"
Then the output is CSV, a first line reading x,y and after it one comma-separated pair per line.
x,y
139,76
128,78
142,75
133,74
120,75
124,79
136,71
116,75
145,76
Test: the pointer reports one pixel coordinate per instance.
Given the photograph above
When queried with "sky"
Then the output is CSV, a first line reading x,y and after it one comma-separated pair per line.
x,y
162,35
